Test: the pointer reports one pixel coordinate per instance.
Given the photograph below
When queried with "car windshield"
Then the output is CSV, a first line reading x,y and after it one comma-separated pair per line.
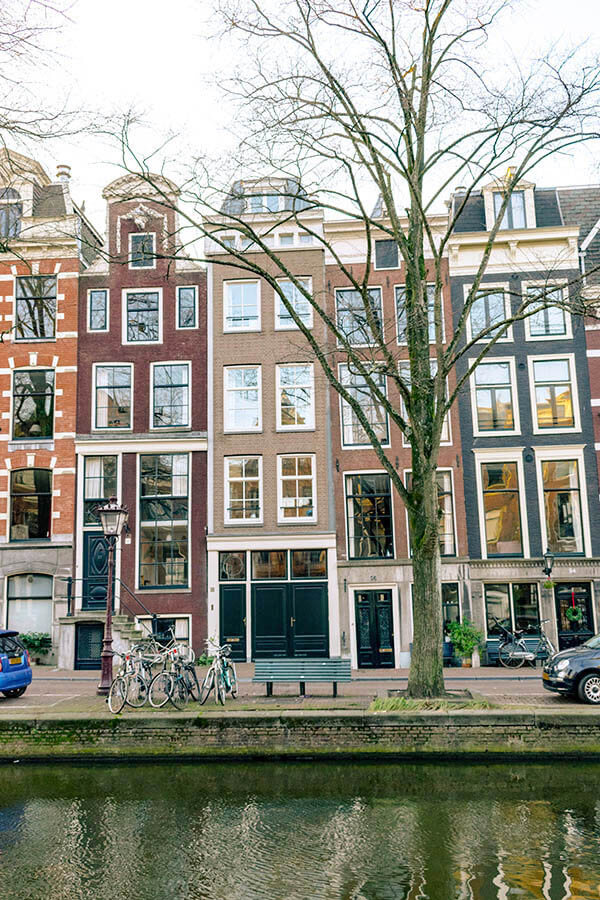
x,y
10,645
593,643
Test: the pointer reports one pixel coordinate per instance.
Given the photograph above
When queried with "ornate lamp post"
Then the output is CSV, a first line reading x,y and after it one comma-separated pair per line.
x,y
113,518
548,562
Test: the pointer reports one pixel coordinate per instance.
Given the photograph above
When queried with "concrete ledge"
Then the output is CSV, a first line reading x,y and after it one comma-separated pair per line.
x,y
271,734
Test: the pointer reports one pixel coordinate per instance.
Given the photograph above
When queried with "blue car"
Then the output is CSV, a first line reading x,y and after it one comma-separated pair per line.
x,y
15,669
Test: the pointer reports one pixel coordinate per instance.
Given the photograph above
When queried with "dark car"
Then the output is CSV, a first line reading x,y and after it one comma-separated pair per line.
x,y
15,668
576,671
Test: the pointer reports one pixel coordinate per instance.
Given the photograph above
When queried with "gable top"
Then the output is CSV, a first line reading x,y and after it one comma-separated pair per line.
x,y
15,167
136,187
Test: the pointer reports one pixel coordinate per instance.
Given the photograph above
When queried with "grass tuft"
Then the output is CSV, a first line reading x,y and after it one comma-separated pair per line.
x,y
407,704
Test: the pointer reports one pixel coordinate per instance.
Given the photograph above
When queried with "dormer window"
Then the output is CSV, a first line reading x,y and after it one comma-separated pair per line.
x,y
258,203
514,215
142,251
11,213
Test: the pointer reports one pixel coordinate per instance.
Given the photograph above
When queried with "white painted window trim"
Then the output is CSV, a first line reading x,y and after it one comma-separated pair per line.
x,y
550,285
243,522
277,301
187,287
167,428
456,553
509,455
148,290
286,234
377,268
181,616
550,454
13,336
491,286
89,308
285,428
402,286
308,520
488,192
40,440
366,443
227,329
375,287
346,473
515,398
448,417
226,428
570,357
110,428
130,237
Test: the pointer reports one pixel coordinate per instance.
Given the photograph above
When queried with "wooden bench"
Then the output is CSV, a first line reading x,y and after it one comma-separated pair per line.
x,y
301,670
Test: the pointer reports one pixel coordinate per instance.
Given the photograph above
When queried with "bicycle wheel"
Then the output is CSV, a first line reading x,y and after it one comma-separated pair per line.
x,y
233,680
191,680
220,689
160,689
137,691
512,654
179,695
117,695
207,686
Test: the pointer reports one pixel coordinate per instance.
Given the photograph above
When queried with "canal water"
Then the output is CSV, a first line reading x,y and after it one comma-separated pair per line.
x,y
300,831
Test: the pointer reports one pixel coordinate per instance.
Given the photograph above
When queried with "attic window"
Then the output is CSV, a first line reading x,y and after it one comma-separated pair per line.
x,y
142,251
514,215
11,212
263,203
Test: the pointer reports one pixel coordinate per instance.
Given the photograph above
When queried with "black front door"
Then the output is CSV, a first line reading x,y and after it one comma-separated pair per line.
x,y
232,615
95,570
88,645
374,629
290,620
573,614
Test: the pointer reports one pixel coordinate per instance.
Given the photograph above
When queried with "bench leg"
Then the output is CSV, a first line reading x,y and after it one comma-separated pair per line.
x,y
335,688
269,688
302,689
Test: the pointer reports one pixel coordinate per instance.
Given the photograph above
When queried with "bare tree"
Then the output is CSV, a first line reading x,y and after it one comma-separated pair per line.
x,y
348,100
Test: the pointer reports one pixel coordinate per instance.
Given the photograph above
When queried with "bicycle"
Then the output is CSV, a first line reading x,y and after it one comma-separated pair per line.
x,y
128,686
221,676
513,651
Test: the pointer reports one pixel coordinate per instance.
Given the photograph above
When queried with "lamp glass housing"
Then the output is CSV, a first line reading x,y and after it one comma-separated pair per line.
x,y
548,561
113,518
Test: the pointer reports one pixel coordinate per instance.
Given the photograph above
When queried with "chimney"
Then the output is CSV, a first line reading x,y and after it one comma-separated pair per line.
x,y
63,173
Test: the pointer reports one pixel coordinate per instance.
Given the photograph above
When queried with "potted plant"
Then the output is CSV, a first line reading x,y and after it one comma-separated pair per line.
x,y
465,639
37,643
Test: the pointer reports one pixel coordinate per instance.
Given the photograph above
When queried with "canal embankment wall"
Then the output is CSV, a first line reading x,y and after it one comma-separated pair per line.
x,y
453,734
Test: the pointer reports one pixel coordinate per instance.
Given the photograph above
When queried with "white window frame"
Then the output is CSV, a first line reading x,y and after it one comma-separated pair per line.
x,y
277,301
108,429
366,444
188,287
367,560
448,418
509,455
148,290
374,287
551,286
402,286
515,398
551,454
302,520
311,424
170,362
243,522
40,440
133,234
555,357
377,268
456,553
286,234
227,329
88,310
491,287
226,428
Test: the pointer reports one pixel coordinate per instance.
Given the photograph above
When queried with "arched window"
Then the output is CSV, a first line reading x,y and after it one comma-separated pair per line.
x,y
11,212
30,603
31,504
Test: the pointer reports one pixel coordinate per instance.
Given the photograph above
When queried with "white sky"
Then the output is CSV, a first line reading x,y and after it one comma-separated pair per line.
x,y
161,58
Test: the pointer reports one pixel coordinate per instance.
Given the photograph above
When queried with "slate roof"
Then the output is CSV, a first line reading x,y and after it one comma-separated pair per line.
x,y
581,206
49,202
472,218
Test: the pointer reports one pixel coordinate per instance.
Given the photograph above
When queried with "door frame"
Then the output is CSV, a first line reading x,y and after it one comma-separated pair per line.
x,y
373,586
78,626
373,608
584,581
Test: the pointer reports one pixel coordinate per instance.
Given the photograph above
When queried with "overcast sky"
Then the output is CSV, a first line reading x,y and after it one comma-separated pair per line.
x,y
161,57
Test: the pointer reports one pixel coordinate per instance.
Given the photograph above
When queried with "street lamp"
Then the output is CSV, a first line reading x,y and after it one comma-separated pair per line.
x,y
113,518
549,562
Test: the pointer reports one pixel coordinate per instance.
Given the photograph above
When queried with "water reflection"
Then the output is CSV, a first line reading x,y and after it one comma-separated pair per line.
x,y
300,832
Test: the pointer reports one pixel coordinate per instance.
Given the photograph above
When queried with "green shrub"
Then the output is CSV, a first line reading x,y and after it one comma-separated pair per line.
x,y
465,638
37,642
204,660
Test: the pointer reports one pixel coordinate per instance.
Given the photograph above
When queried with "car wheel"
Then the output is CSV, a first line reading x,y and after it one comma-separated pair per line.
x,y
589,688
15,692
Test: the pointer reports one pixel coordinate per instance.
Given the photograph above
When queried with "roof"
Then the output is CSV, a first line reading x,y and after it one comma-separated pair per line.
x,y
581,206
472,218
49,202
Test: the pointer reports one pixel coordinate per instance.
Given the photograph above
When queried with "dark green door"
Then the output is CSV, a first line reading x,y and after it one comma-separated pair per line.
x,y
374,629
309,621
95,570
270,621
232,615
88,645
289,620
573,631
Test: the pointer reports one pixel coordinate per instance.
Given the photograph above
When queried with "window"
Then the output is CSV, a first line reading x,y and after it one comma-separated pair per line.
x,y
450,605
99,485
401,314
243,489
369,514
488,309
309,563
263,203
286,240
232,565
243,399
353,434
514,215
142,254
33,404
305,238
446,522
501,507
187,307
30,603
352,318
11,212
295,397
494,397
35,308
562,504
515,605
269,564
170,395
297,300
164,520
31,504
98,310
229,242
113,393
553,390
404,372
142,317
386,254
296,489
547,321
242,306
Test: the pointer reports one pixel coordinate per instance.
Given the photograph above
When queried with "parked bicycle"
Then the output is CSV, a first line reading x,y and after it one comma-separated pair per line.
x,y
513,651
221,676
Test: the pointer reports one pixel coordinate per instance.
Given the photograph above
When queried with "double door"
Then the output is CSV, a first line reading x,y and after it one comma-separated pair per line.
x,y
290,620
374,629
